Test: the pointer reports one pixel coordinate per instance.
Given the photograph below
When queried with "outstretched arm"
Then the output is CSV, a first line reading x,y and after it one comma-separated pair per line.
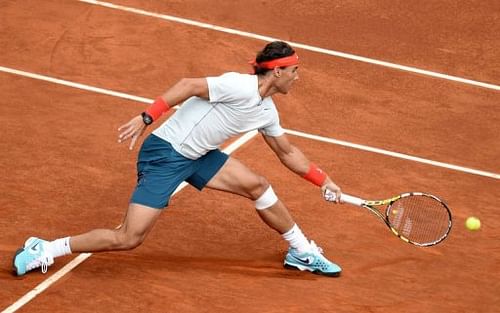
x,y
178,93
297,162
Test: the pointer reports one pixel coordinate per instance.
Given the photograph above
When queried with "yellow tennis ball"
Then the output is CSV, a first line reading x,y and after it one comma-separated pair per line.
x,y
472,223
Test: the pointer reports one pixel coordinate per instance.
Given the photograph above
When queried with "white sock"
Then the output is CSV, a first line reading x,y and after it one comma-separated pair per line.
x,y
297,240
59,247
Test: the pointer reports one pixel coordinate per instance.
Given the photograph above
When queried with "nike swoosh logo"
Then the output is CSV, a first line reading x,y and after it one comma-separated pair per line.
x,y
309,260
35,248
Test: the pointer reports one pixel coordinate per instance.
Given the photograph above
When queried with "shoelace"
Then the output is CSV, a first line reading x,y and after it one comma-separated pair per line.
x,y
316,248
42,262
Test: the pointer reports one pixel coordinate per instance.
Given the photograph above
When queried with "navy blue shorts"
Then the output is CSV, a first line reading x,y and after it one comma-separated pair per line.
x,y
161,169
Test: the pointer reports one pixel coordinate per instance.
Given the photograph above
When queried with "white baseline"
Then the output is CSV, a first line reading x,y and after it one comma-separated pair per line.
x,y
295,44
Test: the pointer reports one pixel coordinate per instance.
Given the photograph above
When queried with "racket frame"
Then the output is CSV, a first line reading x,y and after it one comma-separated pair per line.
x,y
372,204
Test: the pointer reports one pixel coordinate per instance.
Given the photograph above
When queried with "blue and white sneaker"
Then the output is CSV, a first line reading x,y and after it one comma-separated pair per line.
x,y
312,261
33,255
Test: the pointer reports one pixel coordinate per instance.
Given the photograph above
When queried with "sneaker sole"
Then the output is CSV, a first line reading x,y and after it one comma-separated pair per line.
x,y
317,272
14,267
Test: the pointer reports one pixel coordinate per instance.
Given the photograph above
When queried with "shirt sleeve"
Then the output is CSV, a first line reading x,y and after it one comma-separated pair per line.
x,y
229,87
273,129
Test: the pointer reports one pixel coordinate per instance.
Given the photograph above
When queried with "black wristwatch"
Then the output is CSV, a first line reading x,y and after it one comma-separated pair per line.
x,y
146,118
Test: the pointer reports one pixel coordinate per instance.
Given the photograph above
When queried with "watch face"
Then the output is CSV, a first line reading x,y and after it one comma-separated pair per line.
x,y
146,118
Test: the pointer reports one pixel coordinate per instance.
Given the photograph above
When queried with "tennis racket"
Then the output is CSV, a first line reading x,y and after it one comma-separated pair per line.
x,y
415,217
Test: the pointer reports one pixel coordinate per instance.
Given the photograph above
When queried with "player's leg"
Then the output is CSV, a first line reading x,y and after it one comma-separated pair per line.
x,y
236,178
37,252
137,224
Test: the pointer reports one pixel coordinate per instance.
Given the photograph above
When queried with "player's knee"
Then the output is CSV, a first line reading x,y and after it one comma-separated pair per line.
x,y
258,187
129,241
267,199
133,242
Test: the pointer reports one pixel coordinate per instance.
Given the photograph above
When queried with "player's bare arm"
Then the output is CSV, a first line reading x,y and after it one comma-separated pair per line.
x,y
181,91
293,158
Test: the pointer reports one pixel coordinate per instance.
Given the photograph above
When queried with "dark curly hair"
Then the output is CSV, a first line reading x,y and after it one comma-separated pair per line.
x,y
273,50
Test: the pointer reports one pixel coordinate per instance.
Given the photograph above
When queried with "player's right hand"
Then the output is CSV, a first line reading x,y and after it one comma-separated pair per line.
x,y
331,192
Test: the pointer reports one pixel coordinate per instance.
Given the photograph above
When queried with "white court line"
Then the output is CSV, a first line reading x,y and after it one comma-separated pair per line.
x,y
75,85
394,154
294,44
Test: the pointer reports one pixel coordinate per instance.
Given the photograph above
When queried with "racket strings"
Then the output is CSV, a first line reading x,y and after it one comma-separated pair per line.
x,y
419,218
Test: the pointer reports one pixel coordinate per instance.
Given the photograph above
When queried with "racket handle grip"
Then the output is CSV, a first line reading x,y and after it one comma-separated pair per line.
x,y
330,196
351,200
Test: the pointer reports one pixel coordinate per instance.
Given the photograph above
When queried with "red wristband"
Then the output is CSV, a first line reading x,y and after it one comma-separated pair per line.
x,y
157,108
315,175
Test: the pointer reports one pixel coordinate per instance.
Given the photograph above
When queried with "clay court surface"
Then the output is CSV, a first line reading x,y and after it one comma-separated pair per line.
x,y
63,172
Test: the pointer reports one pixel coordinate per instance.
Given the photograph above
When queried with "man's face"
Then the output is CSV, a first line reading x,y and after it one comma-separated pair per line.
x,y
287,76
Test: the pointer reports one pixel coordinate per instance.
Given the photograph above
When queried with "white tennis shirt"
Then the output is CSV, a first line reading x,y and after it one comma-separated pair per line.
x,y
234,107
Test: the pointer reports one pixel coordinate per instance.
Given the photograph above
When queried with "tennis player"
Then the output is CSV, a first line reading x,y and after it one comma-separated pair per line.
x,y
185,148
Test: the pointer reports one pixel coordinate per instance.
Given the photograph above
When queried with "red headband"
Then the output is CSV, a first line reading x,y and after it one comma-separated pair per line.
x,y
281,62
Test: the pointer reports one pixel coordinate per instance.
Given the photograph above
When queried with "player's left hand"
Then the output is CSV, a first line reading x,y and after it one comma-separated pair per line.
x,y
133,129
330,187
